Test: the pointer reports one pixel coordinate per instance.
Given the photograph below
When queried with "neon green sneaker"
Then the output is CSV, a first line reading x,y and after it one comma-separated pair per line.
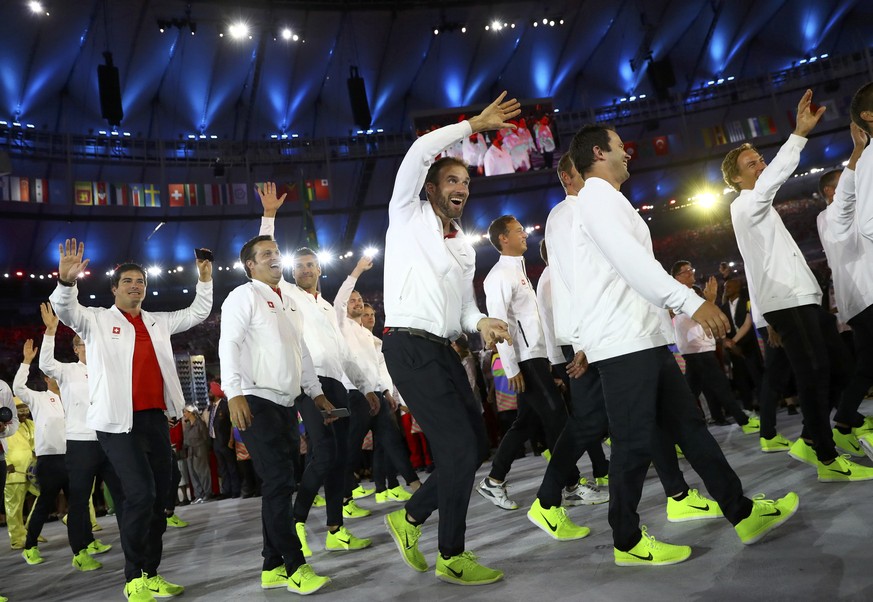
x,y
679,453
318,501
766,515
801,450
865,428
398,494
693,507
777,444
866,441
555,522
98,547
382,497
83,562
651,552
352,510
341,539
301,535
359,492
161,588
137,590
406,537
752,426
843,470
602,481
274,578
176,522
547,455
304,581
32,556
848,444
463,569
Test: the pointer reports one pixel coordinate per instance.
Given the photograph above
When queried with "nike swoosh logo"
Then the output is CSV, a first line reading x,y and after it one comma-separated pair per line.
x,y
848,473
855,447
296,583
649,557
704,508
551,526
345,541
455,573
777,512
407,544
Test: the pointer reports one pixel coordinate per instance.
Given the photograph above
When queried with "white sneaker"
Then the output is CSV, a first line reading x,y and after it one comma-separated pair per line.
x,y
496,494
584,494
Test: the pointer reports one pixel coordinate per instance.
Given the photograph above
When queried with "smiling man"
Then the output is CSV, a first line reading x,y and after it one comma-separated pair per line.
x,y
785,291
132,381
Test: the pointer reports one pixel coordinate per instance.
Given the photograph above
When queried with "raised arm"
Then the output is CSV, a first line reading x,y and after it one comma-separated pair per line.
x,y
199,309
64,298
47,361
341,302
19,383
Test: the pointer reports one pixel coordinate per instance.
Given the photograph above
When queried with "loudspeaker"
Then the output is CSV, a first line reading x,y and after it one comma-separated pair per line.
x,y
662,77
358,98
110,92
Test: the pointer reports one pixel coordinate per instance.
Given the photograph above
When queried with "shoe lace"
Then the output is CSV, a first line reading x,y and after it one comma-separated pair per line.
x,y
759,499
158,581
650,540
469,556
138,584
306,572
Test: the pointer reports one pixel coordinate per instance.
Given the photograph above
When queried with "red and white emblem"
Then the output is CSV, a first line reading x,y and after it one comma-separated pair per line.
x,y
116,330
270,305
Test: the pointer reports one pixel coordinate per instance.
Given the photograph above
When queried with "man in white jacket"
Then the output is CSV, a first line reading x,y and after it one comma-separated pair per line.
x,y
849,256
132,382
265,366
785,291
331,359
429,300
618,296
84,458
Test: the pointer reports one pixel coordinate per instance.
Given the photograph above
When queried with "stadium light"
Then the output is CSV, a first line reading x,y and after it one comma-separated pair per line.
x,y
324,257
154,270
371,252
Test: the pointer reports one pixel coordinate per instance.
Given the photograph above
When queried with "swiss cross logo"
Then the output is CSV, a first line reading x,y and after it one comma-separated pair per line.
x,y
270,305
116,330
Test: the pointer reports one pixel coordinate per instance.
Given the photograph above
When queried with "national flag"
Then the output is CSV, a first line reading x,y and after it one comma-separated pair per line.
x,y
211,194
240,194
753,127
661,145
735,131
177,195
84,193
291,189
40,191
119,194
631,149
718,135
193,194
322,190
101,195
152,196
137,195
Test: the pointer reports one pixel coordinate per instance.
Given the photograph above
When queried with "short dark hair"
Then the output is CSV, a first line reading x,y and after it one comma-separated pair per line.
x,y
862,101
582,147
127,267
677,267
366,305
565,164
498,227
544,253
433,173
303,252
247,253
829,178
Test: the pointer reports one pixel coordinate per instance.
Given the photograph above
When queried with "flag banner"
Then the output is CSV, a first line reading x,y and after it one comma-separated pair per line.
x,y
631,149
24,190
84,193
101,194
735,131
240,194
137,195
119,194
661,146
152,196
193,194
177,195
317,190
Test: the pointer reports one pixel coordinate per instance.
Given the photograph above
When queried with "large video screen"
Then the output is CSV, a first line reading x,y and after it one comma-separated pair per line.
x,y
532,145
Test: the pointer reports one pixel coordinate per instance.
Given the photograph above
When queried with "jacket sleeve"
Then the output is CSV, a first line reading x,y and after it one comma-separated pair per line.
x,y
268,227
498,295
544,302
183,319
385,381
236,313
840,215
633,262
19,387
341,302
66,305
47,361
7,401
309,380
405,200
470,314
774,175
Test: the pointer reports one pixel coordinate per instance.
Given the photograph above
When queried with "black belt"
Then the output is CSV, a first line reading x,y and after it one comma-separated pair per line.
x,y
422,334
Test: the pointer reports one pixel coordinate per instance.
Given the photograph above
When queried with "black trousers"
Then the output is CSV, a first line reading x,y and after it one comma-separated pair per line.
x,y
862,377
390,454
643,392
359,424
703,373
272,444
141,460
541,398
807,333
586,427
326,456
775,384
225,457
51,473
85,461
434,385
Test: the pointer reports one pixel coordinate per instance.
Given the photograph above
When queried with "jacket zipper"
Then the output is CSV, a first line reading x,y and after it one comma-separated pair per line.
x,y
523,336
